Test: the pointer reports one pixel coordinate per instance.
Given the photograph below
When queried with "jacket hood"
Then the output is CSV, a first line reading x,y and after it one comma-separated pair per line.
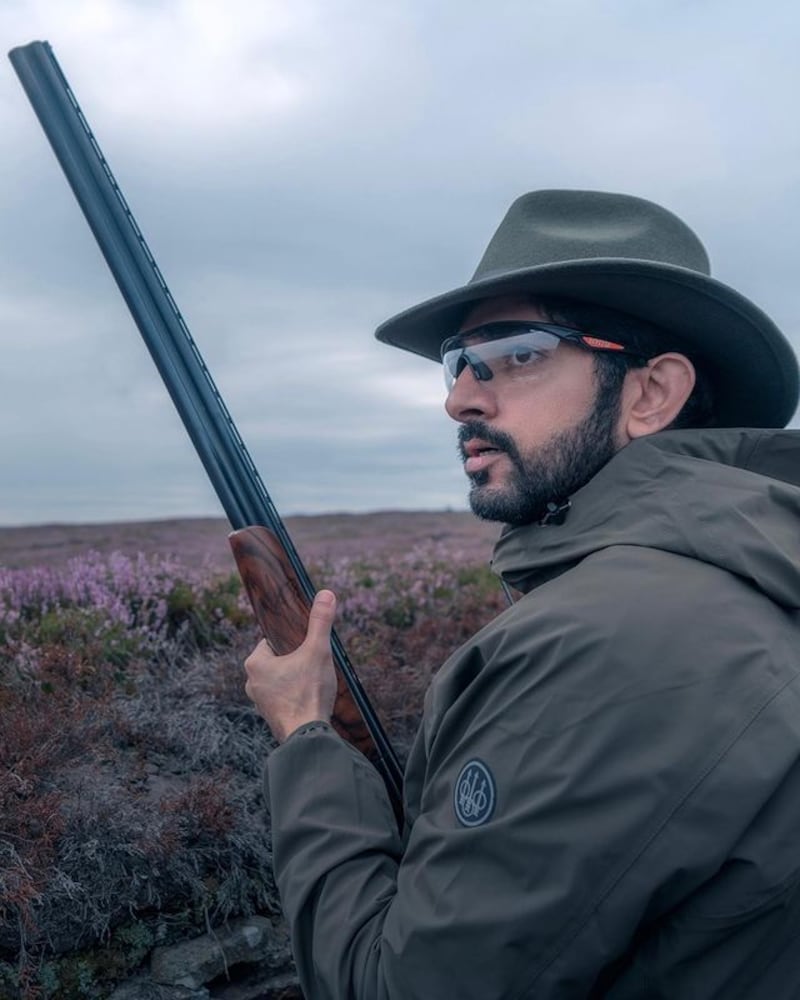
x,y
729,497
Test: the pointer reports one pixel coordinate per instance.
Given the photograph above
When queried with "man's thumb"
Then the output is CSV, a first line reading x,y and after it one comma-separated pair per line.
x,y
320,618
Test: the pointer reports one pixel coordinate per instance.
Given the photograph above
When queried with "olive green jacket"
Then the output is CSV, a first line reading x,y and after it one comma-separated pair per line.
x,y
603,799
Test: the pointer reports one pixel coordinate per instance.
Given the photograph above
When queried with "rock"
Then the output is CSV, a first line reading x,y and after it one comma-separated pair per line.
x,y
192,963
283,986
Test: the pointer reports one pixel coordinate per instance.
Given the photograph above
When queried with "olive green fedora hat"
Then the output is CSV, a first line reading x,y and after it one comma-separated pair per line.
x,y
628,254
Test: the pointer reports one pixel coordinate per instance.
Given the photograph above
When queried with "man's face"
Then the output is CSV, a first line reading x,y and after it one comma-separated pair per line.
x,y
536,438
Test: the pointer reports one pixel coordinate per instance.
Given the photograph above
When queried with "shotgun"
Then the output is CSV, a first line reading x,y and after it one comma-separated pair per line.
x,y
272,572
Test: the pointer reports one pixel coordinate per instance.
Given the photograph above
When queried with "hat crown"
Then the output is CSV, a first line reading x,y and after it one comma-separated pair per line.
x,y
554,226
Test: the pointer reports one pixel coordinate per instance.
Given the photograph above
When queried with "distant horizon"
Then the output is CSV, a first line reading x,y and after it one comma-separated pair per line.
x,y
167,519
203,541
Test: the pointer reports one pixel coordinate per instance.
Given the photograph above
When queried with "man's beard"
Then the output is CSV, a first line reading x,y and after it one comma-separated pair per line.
x,y
549,474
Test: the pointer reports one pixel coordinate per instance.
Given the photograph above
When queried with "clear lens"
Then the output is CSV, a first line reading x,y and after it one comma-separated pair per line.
x,y
508,358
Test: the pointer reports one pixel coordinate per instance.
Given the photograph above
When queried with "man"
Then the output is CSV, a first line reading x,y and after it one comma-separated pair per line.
x,y
603,799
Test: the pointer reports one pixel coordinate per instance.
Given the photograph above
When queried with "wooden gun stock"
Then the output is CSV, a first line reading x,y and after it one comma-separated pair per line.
x,y
281,609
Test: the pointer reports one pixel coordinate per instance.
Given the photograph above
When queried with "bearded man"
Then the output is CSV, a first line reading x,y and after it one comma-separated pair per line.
x,y
603,799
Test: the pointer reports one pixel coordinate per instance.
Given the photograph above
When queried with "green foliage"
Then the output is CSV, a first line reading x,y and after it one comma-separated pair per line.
x,y
480,579
83,975
401,613
181,603
9,979
207,616
88,630
134,940
49,979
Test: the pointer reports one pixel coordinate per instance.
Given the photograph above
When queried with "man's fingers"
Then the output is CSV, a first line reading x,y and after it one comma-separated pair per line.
x,y
262,652
318,634
320,620
300,686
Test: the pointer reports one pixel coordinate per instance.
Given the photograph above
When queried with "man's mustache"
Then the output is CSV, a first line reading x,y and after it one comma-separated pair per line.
x,y
496,439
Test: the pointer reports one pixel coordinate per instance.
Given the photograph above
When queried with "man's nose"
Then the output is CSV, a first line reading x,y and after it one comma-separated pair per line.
x,y
470,397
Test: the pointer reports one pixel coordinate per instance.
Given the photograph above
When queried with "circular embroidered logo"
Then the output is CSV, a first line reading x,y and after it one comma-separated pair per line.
x,y
474,795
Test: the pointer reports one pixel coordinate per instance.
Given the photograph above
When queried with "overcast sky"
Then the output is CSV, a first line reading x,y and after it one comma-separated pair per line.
x,y
302,169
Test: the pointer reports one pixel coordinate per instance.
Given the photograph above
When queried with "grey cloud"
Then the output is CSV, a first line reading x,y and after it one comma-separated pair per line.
x,y
303,170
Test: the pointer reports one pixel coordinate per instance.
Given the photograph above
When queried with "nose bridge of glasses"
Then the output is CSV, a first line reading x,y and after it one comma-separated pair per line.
x,y
479,368
456,360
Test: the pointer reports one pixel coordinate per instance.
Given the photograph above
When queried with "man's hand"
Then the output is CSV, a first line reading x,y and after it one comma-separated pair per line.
x,y
301,686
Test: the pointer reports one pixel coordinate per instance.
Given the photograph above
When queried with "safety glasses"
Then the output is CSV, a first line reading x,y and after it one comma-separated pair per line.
x,y
513,351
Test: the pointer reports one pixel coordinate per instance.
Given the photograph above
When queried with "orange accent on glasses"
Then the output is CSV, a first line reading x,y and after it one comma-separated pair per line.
x,y
601,345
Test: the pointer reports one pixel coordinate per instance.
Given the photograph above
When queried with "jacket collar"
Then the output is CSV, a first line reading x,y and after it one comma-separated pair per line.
x,y
726,496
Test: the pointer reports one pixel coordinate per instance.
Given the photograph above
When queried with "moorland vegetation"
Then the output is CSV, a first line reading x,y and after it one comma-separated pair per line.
x,y
131,761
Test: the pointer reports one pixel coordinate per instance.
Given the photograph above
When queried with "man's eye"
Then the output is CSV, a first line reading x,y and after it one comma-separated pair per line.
x,y
522,356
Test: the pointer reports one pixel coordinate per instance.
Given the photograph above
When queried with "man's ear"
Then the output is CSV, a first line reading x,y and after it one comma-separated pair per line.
x,y
653,396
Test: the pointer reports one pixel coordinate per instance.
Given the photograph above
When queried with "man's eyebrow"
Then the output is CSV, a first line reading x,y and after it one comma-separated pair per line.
x,y
487,331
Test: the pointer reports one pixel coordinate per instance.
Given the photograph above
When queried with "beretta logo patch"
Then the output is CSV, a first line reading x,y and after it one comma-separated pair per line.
x,y
475,794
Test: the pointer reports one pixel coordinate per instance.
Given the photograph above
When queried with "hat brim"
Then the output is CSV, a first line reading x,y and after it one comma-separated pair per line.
x,y
749,362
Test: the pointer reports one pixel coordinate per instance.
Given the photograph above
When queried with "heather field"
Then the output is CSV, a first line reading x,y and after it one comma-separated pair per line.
x,y
130,760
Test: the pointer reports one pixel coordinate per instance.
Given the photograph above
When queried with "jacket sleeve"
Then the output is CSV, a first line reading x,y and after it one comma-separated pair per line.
x,y
603,753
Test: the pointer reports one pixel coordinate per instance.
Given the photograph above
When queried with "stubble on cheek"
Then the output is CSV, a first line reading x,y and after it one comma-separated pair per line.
x,y
550,473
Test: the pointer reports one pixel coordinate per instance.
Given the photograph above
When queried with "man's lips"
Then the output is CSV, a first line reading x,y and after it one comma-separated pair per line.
x,y
479,454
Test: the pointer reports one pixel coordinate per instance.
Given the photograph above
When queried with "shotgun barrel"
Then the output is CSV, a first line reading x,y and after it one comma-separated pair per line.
x,y
276,580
